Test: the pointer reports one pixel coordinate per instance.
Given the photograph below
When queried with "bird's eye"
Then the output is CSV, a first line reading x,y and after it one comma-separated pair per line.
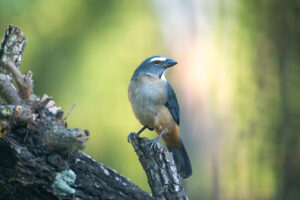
x,y
156,62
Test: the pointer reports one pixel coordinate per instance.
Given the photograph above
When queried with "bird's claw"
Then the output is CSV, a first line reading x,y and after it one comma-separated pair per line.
x,y
153,143
129,135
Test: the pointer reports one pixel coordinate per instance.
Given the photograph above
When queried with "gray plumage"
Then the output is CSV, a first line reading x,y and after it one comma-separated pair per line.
x,y
155,105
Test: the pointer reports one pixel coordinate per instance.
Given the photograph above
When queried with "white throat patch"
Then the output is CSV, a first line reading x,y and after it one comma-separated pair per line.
x,y
160,58
163,78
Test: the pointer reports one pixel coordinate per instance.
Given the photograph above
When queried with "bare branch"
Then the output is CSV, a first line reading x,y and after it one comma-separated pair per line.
x,y
8,92
11,53
24,82
160,169
69,112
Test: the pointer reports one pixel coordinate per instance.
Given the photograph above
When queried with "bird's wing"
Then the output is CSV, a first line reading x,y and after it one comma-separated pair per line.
x,y
172,103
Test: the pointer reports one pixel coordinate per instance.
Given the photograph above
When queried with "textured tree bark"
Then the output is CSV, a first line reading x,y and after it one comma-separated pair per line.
x,y
160,169
39,153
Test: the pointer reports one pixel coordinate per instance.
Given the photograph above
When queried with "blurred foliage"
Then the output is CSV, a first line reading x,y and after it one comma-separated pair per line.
x,y
263,151
86,51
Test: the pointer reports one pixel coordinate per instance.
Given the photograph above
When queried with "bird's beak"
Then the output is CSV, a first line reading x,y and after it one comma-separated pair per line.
x,y
169,63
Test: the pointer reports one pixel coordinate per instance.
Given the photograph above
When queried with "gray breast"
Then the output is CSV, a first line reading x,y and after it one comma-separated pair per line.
x,y
147,96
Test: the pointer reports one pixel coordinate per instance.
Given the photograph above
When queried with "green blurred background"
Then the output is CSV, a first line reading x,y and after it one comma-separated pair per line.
x,y
237,82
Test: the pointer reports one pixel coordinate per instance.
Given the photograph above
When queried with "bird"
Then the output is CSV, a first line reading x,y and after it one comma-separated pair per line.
x,y
155,105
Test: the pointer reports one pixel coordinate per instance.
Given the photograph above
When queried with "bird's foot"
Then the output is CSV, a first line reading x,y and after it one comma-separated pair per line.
x,y
129,136
136,134
153,143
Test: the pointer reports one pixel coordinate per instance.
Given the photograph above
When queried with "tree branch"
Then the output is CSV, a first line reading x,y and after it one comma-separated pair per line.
x,y
8,92
160,169
24,82
11,52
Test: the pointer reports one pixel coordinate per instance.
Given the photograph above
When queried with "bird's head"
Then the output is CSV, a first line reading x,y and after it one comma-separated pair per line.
x,y
154,66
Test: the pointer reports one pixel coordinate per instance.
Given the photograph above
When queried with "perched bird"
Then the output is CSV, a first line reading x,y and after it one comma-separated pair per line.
x,y
155,105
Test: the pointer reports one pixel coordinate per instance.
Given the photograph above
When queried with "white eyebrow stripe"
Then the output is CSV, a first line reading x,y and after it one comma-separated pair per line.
x,y
158,58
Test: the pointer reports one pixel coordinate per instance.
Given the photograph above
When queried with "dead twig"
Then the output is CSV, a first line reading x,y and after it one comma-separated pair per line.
x,y
69,111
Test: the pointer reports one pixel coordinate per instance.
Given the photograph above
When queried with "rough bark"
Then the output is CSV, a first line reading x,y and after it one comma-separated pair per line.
x,y
39,153
160,169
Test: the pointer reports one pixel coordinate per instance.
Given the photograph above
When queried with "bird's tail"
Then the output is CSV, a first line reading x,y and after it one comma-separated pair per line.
x,y
182,160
